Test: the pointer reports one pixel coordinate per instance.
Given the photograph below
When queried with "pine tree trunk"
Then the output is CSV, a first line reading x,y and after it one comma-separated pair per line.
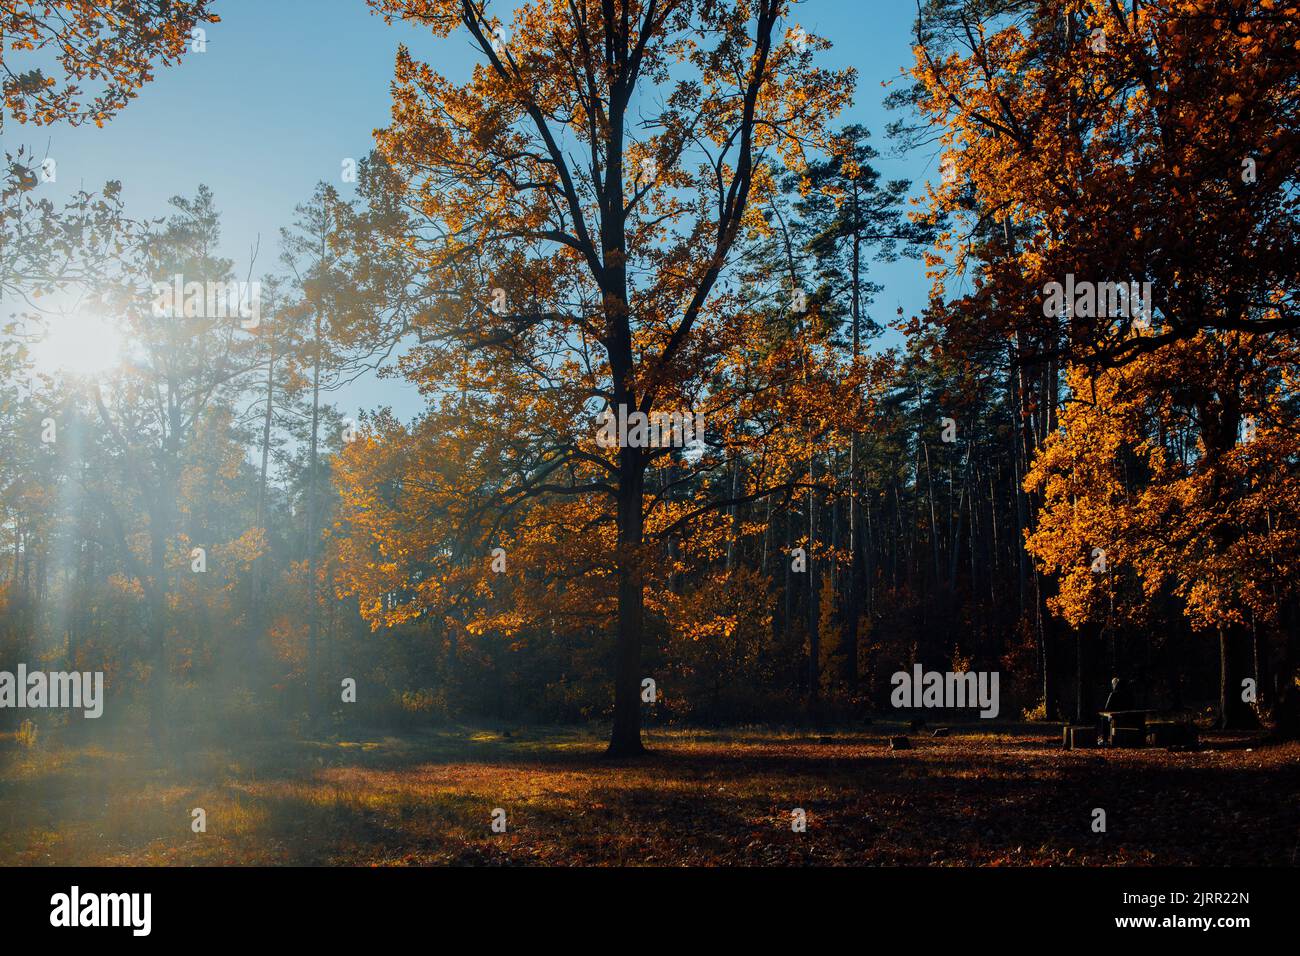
x,y
853,606
814,642
311,675
256,603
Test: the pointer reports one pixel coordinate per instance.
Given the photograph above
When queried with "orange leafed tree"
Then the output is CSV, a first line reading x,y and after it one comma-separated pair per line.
x,y
1137,507
114,45
579,201
1148,142
1153,141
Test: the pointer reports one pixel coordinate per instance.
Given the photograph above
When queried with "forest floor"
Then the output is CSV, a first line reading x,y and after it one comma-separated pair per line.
x,y
982,796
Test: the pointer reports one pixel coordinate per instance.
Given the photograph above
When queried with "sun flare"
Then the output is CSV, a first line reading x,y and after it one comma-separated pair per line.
x,y
83,344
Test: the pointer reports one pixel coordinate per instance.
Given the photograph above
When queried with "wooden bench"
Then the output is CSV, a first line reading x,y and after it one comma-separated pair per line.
x,y
1075,736
1126,728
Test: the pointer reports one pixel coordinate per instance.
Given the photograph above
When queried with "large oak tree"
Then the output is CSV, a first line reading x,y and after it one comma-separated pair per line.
x,y
598,168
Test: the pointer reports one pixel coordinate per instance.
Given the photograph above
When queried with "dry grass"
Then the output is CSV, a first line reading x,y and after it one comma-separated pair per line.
x,y
700,798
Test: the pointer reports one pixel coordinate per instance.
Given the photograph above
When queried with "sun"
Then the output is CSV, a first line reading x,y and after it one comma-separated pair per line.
x,y
83,344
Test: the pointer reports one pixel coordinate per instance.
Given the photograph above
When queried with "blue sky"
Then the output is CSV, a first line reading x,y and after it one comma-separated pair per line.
x,y
289,88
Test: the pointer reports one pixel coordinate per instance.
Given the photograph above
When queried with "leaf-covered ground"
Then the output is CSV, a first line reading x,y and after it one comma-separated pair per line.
x,y
974,798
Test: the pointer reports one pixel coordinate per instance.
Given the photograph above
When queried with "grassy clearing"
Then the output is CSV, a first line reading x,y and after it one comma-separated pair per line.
x,y
702,797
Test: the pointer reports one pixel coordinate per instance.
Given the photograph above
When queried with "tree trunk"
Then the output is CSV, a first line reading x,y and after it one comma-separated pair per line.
x,y
814,638
156,595
259,575
1234,714
853,609
787,591
1084,708
311,676
733,512
625,738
